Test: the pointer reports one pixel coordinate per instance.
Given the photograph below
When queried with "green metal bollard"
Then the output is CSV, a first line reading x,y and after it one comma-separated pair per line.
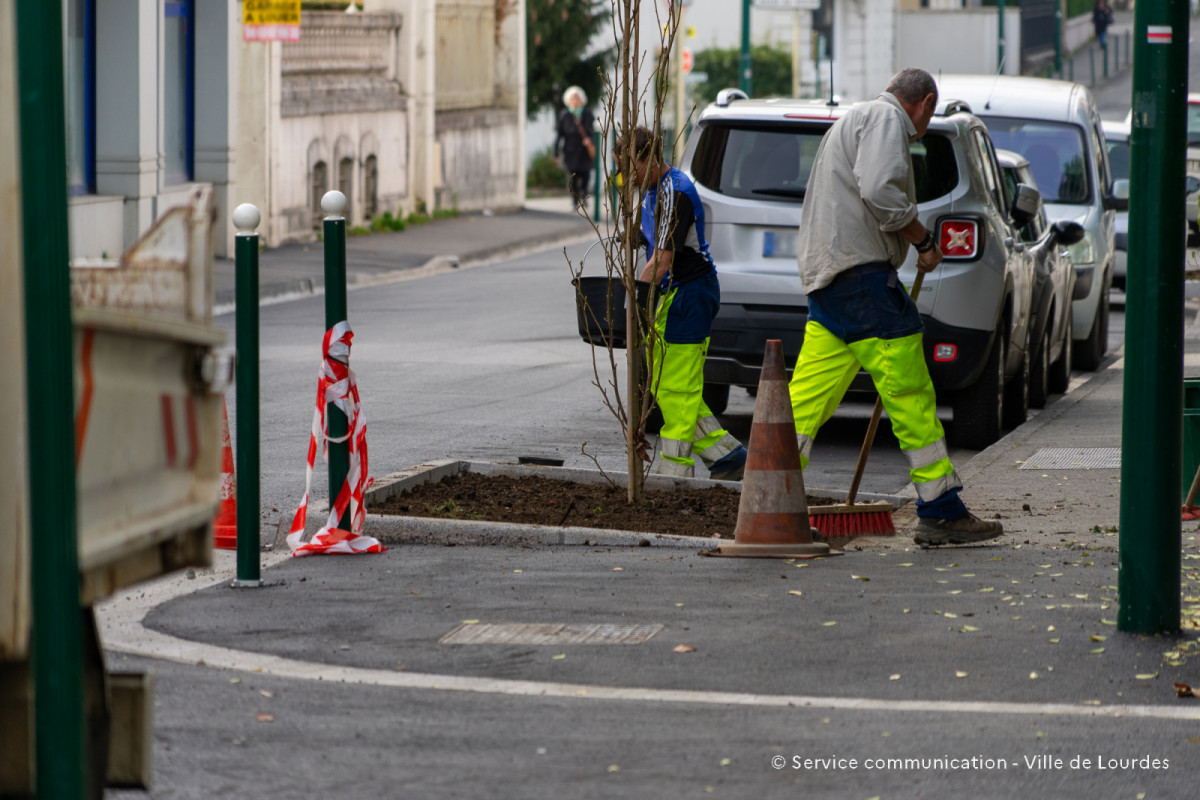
x,y
246,219
1150,557
334,206
745,64
56,618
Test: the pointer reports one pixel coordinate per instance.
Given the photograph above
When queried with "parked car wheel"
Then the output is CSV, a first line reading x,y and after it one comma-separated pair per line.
x,y
1092,350
1060,370
1016,395
979,409
716,397
1039,372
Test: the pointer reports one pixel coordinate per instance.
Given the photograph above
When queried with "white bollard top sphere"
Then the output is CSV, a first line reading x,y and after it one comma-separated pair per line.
x,y
334,203
246,218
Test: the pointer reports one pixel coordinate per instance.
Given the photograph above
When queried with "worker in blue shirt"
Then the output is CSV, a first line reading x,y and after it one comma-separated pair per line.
x,y
677,259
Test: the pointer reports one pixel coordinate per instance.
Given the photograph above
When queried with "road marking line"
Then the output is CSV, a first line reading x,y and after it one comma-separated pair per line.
x,y
122,630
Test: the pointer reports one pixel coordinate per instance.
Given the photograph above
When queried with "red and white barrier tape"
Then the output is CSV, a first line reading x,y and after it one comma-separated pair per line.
x,y
336,385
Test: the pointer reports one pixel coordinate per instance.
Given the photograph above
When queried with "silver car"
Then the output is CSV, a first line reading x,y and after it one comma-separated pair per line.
x,y
750,160
1055,124
1053,283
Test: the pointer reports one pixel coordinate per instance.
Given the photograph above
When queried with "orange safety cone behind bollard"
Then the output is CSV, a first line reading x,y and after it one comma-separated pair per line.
x,y
225,525
773,511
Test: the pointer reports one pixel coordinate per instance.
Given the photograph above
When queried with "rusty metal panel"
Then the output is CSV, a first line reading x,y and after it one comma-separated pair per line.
x,y
147,425
165,276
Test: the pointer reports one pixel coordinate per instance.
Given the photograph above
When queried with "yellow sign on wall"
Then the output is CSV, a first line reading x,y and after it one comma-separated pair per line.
x,y
271,20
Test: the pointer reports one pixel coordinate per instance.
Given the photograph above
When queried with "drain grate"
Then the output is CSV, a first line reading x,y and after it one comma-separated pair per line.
x,y
1075,458
548,633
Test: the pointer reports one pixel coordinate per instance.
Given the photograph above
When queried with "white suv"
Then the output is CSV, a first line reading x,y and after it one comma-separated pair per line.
x,y
751,159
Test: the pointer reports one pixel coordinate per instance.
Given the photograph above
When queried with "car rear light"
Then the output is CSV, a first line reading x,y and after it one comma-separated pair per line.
x,y
959,238
945,352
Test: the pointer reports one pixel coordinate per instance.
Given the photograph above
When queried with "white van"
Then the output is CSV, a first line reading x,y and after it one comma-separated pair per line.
x,y
1056,126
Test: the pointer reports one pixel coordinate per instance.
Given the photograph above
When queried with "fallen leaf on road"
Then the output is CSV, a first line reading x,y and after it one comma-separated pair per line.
x,y
796,592
1146,676
618,569
558,657
265,693
895,677
683,648
264,717
613,768
1183,690
1098,638
958,673
1033,676
828,624
1097,651
470,622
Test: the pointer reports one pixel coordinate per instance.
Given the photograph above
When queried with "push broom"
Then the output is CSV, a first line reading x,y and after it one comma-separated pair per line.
x,y
859,519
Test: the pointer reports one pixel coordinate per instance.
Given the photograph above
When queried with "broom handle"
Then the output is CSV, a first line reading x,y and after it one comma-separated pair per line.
x,y
876,414
1192,492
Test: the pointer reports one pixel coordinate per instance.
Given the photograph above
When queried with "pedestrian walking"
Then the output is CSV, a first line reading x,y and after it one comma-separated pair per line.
x,y
1102,17
860,216
574,146
677,259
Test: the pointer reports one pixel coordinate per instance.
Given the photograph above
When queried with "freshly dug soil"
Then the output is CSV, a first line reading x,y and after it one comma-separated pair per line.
x,y
544,501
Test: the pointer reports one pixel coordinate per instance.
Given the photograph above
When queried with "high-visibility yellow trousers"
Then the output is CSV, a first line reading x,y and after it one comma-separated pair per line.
x,y
824,370
677,382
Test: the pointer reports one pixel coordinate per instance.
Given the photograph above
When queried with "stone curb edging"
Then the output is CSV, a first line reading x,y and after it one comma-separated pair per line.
x,y
431,530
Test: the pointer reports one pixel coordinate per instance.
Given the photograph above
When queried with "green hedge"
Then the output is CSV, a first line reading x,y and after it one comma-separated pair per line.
x,y
1077,7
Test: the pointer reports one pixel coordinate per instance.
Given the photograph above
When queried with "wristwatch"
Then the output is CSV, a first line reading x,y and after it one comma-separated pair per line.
x,y
926,244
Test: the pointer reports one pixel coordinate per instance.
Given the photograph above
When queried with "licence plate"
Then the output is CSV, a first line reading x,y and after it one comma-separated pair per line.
x,y
779,244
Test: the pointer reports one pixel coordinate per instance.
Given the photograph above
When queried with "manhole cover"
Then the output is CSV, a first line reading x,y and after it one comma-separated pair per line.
x,y
1075,458
548,633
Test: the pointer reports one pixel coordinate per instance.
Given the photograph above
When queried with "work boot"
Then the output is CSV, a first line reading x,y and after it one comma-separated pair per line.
x,y
729,467
964,530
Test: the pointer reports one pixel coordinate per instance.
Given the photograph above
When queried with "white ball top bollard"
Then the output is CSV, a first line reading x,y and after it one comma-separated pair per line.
x,y
246,219
334,204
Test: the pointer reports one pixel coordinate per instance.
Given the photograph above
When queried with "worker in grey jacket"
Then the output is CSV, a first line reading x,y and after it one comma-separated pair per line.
x,y
859,218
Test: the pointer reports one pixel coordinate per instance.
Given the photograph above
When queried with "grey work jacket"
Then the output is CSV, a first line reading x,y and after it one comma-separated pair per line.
x,y
861,191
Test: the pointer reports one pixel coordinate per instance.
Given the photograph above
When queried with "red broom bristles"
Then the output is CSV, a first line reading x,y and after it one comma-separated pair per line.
x,y
842,521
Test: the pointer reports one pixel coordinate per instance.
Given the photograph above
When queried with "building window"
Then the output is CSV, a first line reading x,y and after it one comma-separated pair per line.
x,y
179,51
370,188
320,185
346,181
80,80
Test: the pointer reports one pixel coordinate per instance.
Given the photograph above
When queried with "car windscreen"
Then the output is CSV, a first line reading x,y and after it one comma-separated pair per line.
x,y
773,162
1055,151
1193,124
1118,158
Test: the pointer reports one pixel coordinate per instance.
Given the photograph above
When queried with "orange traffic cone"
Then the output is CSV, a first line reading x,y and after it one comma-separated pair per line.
x,y
773,512
225,525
